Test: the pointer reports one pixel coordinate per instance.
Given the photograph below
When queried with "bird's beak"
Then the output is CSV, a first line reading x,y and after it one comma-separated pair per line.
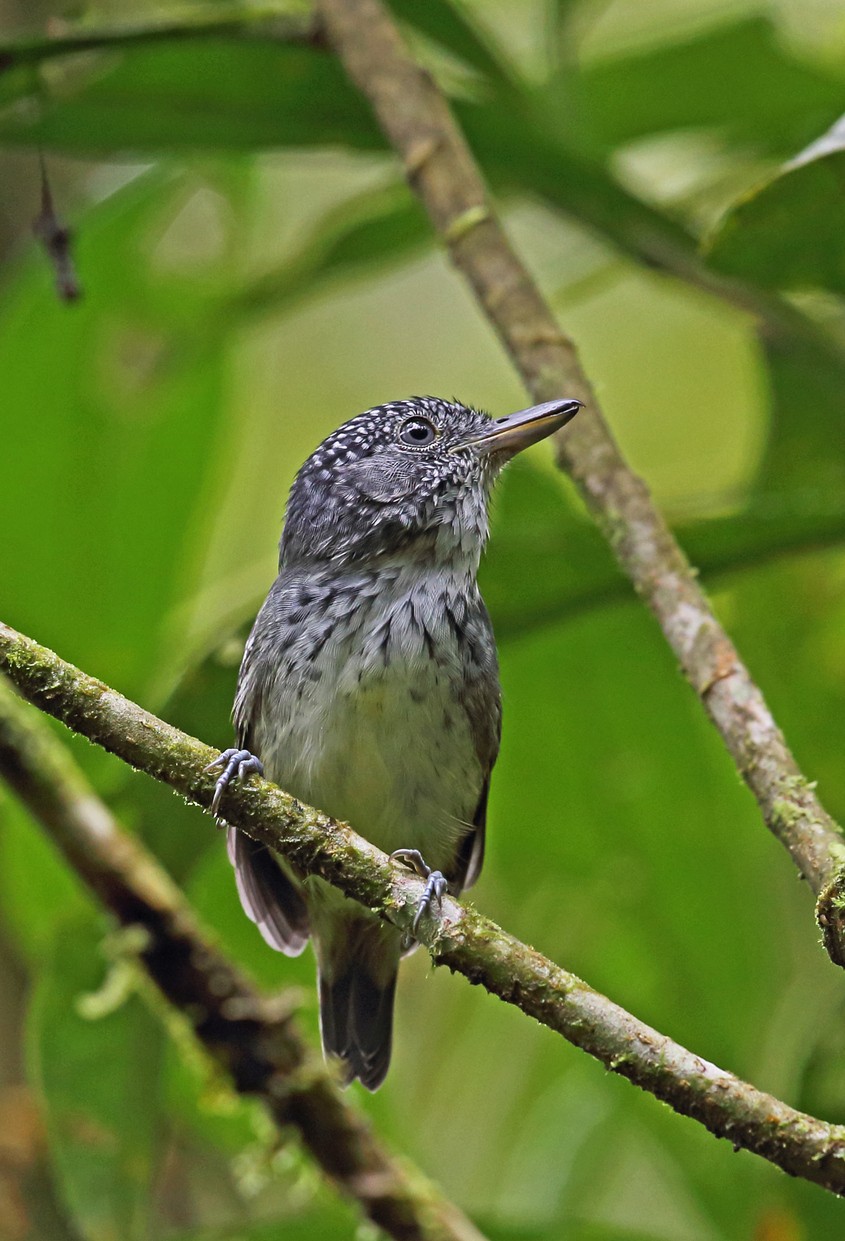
x,y
517,431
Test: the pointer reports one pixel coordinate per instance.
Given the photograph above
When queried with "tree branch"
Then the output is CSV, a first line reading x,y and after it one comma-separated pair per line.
x,y
263,22
254,1038
460,939
416,119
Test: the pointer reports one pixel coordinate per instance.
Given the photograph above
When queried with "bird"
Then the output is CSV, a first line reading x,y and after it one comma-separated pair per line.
x,y
369,688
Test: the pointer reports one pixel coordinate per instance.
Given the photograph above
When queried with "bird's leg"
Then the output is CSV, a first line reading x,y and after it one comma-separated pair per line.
x,y
436,882
236,764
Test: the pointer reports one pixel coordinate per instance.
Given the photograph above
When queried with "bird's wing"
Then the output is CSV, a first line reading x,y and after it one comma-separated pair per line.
x,y
270,897
483,704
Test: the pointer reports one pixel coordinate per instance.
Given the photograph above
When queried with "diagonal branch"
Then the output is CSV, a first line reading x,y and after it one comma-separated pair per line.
x,y
440,167
461,939
254,1038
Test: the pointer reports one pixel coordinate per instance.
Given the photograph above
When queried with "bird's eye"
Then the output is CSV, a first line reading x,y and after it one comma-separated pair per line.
x,y
418,433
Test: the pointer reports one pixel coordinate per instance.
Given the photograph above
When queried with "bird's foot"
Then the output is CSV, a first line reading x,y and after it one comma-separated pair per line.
x,y
236,764
436,887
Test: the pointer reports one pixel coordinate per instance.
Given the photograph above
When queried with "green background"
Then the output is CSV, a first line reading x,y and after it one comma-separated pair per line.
x,y
254,273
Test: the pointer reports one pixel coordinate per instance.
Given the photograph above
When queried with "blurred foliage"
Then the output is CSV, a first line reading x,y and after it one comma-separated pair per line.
x,y
254,273
95,1053
754,241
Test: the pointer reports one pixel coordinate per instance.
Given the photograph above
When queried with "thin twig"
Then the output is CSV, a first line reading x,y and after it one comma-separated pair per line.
x,y
460,938
416,119
56,239
254,1038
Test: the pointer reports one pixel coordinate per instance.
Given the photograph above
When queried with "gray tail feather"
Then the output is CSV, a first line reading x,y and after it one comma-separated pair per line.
x,y
270,898
356,1022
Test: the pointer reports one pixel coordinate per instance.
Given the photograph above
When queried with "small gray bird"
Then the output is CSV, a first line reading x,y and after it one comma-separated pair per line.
x,y
369,687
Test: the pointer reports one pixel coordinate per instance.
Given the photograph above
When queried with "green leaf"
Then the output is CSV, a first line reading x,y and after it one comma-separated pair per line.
x,y
205,90
359,238
523,151
96,1069
253,94
547,565
113,418
801,455
544,563
790,232
211,94
447,23
334,1221
118,405
738,77
565,1232
37,891
16,83
206,94
221,19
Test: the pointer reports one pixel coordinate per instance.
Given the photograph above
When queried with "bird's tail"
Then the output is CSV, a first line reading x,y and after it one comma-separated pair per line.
x,y
358,963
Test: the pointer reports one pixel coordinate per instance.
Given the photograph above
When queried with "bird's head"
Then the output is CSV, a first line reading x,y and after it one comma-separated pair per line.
x,y
411,478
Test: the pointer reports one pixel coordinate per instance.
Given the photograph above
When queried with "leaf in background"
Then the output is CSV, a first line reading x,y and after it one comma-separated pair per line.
x,y
739,77
803,453
208,94
446,22
248,95
333,1221
113,411
202,94
256,94
523,152
359,238
97,1079
790,232
576,1232
16,82
37,890
108,435
95,33
546,565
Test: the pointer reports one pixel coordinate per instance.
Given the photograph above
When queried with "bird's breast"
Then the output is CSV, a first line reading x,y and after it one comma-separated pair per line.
x,y
367,718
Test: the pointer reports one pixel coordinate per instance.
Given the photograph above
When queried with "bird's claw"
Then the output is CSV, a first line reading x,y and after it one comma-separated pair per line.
x,y
436,887
236,764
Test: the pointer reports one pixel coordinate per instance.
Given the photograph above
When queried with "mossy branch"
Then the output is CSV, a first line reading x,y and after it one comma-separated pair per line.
x,y
440,167
460,938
